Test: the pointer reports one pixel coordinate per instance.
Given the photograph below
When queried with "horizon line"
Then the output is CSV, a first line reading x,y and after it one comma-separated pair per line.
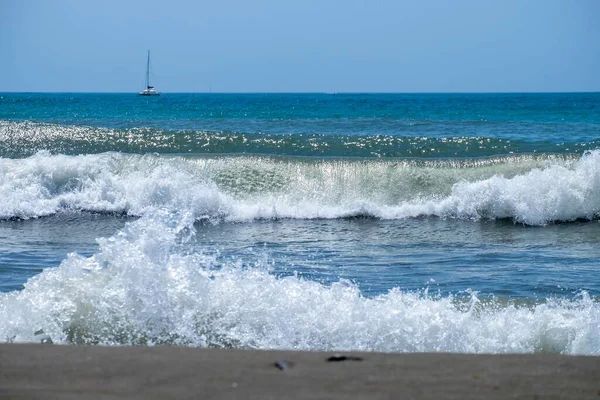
x,y
311,92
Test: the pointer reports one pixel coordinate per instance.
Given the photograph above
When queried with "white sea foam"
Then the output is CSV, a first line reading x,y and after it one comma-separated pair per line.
x,y
44,184
143,287
554,193
247,188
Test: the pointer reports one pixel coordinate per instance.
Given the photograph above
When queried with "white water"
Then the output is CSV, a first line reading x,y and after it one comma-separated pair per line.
x,y
248,188
144,287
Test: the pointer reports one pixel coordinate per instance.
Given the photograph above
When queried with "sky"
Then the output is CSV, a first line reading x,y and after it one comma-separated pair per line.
x,y
300,45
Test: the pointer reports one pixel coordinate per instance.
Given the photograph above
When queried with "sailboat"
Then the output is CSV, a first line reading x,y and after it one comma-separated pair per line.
x,y
149,91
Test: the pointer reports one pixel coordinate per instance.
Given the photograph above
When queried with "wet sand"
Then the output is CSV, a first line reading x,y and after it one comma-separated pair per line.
x,y
32,371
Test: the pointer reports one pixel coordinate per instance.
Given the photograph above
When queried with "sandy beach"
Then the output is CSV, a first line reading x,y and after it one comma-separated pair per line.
x,y
29,371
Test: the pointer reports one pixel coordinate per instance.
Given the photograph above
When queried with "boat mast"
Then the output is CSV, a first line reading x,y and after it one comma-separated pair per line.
x,y
148,71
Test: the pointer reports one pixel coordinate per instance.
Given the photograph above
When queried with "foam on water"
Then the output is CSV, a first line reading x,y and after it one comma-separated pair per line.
x,y
112,183
555,193
526,189
144,286
516,157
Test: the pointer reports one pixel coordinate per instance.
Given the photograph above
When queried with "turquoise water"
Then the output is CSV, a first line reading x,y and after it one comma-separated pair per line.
x,y
387,222
341,125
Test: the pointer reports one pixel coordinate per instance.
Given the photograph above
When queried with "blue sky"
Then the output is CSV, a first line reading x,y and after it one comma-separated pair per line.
x,y
301,45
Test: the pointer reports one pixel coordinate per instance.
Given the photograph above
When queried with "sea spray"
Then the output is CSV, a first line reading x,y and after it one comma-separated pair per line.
x,y
525,189
391,222
146,286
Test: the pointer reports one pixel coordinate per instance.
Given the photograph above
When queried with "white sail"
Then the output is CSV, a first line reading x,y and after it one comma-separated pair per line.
x,y
149,90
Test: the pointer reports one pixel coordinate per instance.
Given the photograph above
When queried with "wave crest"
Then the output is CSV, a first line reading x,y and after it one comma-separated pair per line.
x,y
527,189
141,288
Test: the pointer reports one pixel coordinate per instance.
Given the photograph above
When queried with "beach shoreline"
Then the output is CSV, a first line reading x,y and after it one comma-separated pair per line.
x,y
47,371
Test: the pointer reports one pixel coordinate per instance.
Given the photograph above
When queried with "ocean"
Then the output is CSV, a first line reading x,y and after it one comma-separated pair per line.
x,y
379,222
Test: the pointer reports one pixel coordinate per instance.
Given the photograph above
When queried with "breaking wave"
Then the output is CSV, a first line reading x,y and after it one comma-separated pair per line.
x,y
143,287
528,189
